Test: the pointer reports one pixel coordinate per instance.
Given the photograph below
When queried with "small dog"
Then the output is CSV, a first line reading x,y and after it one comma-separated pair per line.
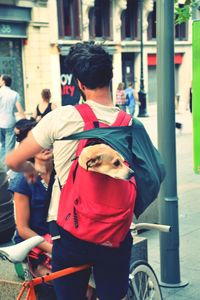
x,y
101,158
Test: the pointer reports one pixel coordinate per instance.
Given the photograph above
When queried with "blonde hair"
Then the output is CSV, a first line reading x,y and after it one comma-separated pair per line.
x,y
120,86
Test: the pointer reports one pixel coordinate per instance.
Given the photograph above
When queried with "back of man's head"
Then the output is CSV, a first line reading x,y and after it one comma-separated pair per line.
x,y
7,79
131,84
90,64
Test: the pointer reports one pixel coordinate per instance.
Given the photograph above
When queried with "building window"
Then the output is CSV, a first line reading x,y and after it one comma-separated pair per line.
x,y
130,21
69,19
151,30
100,17
181,31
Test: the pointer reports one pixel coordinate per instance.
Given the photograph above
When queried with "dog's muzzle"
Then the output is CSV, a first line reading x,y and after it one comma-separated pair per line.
x,y
130,174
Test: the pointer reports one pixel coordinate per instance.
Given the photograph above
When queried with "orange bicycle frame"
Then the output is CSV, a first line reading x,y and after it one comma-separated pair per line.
x,y
28,286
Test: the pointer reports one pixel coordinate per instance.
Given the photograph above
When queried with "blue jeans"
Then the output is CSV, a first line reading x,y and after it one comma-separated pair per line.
x,y
131,109
7,141
110,267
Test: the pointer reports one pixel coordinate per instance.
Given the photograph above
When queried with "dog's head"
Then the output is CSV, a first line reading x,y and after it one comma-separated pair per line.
x,y
103,159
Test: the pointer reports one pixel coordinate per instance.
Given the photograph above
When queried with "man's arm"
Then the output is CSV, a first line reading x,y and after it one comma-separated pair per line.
x,y
26,149
20,109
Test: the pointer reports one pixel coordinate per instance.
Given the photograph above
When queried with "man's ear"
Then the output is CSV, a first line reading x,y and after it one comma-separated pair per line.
x,y
80,85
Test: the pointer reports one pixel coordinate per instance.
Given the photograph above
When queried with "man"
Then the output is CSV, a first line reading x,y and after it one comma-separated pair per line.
x,y
131,96
91,65
9,99
7,221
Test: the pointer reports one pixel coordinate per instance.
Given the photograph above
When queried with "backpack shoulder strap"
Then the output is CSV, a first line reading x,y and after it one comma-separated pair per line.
x,y
87,114
123,119
90,122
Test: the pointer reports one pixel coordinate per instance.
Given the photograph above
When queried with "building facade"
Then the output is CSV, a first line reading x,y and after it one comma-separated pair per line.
x,y
51,27
26,52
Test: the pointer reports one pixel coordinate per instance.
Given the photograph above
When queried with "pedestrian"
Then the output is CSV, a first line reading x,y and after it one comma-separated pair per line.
x,y
92,67
30,194
121,100
189,100
131,97
29,190
7,221
9,100
45,106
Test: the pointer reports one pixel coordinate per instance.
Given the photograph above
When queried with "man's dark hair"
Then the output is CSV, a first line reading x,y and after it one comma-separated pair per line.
x,y
131,84
24,126
90,64
7,79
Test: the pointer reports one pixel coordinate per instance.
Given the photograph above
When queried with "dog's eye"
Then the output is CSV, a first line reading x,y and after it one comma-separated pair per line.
x,y
117,163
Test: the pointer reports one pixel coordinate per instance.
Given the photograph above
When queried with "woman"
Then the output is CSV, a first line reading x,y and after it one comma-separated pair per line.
x,y
31,204
121,101
30,196
45,106
30,191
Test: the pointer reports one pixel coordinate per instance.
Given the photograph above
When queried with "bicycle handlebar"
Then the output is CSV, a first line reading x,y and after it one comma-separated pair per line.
x,y
159,227
17,253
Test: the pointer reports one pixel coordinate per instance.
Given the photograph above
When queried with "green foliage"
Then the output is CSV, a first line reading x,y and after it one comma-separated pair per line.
x,y
183,12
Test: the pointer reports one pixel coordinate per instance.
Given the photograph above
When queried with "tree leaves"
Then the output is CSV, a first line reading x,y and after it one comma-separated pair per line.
x,y
183,10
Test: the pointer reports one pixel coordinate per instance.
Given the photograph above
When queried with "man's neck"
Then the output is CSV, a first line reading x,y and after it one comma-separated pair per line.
x,y
101,96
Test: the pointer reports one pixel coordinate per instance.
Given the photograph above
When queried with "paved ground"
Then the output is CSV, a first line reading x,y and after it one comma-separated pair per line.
x,y
188,185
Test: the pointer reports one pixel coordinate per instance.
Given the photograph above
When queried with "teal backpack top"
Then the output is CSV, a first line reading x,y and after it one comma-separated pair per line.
x,y
134,144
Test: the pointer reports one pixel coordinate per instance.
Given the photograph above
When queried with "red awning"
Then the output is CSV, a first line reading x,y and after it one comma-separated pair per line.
x,y
152,59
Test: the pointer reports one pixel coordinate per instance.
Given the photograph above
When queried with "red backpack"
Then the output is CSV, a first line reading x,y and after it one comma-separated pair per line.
x,y
95,207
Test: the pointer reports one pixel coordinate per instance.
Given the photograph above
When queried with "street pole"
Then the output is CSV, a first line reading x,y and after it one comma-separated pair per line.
x,y
169,243
141,94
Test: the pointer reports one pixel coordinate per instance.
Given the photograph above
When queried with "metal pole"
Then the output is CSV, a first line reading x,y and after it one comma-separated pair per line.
x,y
141,94
169,243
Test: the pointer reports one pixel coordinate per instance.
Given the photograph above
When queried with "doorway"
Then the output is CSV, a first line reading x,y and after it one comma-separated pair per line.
x,y
11,64
128,74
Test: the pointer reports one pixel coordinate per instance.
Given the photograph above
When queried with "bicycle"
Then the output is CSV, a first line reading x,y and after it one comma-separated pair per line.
x,y
143,282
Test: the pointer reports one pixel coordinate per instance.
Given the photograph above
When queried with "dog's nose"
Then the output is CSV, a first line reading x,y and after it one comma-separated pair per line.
x,y
130,174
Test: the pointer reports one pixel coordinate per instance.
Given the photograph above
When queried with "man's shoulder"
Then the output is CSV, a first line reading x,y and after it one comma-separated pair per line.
x,y
6,90
56,121
14,93
67,111
128,90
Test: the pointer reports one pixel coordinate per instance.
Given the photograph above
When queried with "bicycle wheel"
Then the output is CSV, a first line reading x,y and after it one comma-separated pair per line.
x,y
143,283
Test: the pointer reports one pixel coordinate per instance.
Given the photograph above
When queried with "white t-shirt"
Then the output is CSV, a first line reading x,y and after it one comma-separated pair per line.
x,y
8,99
59,123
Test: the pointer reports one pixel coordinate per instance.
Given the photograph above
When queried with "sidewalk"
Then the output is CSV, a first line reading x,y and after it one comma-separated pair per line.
x,y
188,186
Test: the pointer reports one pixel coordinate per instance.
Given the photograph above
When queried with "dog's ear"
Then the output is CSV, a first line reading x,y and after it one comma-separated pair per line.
x,y
94,162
